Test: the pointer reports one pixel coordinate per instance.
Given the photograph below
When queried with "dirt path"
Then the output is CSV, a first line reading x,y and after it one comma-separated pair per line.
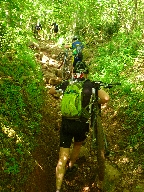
x,y
119,165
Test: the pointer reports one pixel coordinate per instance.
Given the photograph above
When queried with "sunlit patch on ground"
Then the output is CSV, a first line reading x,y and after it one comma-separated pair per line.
x,y
39,165
11,133
86,189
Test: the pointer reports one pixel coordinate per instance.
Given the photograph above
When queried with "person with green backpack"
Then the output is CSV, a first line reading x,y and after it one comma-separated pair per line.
x,y
75,114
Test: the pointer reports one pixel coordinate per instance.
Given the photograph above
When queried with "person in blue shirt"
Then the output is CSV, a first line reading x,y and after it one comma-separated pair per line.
x,y
77,48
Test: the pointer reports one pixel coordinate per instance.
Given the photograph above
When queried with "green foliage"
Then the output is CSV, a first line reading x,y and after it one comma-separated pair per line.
x,y
117,61
116,56
21,98
113,31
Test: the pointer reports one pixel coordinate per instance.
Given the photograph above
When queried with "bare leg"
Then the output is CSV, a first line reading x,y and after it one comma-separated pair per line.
x,y
75,153
60,169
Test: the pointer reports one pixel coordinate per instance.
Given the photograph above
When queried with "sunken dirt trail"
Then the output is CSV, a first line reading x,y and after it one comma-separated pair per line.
x,y
42,179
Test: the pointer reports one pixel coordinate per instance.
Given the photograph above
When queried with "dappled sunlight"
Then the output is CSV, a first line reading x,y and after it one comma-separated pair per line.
x,y
103,106
39,165
11,133
60,169
48,86
65,158
60,163
52,61
86,189
124,160
138,170
48,60
113,39
8,131
52,45
60,41
44,59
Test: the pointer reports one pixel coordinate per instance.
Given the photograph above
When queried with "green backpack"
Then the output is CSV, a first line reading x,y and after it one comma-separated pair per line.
x,y
71,104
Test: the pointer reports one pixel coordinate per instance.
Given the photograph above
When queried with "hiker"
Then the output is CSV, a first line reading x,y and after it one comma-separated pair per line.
x,y
55,27
77,48
71,128
37,29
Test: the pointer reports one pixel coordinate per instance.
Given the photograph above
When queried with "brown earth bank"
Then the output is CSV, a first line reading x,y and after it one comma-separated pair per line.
x,y
123,174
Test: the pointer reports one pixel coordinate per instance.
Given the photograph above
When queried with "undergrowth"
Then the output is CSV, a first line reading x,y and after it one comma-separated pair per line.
x,y
22,92
121,60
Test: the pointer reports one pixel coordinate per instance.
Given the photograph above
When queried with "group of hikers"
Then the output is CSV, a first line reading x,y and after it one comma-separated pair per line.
x,y
75,104
74,124
37,28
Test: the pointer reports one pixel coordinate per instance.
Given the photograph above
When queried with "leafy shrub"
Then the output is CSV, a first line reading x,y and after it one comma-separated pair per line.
x,y
21,100
115,61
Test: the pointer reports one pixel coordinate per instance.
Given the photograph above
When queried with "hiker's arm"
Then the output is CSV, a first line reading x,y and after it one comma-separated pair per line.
x,y
103,96
52,90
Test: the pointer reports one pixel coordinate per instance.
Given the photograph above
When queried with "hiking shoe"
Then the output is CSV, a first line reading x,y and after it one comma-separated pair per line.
x,y
72,169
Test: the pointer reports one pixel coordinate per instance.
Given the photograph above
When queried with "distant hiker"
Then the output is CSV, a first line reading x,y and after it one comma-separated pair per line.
x,y
37,29
55,27
77,126
77,48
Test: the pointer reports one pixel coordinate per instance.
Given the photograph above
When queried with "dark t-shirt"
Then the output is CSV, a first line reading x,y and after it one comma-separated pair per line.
x,y
55,28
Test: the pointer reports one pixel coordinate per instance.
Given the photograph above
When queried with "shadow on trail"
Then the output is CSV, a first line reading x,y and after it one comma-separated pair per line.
x,y
43,177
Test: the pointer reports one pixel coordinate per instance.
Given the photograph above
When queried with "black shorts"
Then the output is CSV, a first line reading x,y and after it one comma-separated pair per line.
x,y
76,59
72,129
55,30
